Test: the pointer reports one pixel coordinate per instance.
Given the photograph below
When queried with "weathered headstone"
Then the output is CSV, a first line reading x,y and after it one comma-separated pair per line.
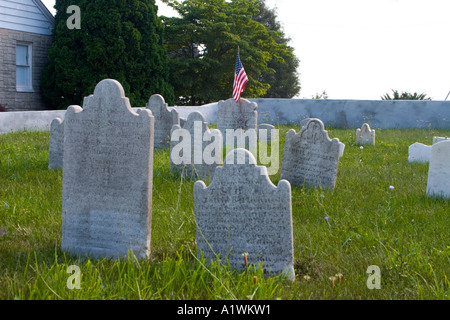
x,y
56,144
242,115
243,213
310,157
164,120
419,152
203,148
107,176
365,135
438,183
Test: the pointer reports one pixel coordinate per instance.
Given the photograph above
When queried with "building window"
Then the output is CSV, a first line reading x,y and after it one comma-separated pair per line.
x,y
24,73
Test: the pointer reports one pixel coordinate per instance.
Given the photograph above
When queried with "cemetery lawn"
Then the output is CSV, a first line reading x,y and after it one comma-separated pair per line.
x,y
378,215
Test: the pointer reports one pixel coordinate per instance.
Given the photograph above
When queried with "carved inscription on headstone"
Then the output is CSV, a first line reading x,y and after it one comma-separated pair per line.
x,y
243,213
56,144
107,176
164,120
310,157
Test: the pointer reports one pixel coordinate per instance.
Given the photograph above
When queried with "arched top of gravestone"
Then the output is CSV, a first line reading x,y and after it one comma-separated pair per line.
x,y
108,96
314,132
239,165
365,128
192,117
243,105
159,107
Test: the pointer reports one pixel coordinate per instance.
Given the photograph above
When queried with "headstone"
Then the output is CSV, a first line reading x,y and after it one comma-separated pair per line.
x,y
419,152
164,120
107,176
439,139
265,132
231,115
202,157
310,157
438,183
243,213
365,136
341,149
56,145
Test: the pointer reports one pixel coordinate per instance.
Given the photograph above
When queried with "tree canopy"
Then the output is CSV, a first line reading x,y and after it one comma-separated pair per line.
x,y
119,39
202,44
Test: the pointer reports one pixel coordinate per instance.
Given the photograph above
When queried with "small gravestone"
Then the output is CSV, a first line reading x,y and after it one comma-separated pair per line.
x,y
438,183
265,132
365,135
419,152
56,144
164,120
237,119
439,139
310,157
107,176
243,213
200,150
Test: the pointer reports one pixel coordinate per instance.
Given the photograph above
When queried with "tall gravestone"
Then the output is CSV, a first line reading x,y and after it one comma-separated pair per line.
x,y
56,144
241,120
107,176
203,148
365,135
164,120
438,183
243,213
310,157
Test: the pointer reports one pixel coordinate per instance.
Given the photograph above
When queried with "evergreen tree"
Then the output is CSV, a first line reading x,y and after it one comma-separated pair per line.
x,y
120,39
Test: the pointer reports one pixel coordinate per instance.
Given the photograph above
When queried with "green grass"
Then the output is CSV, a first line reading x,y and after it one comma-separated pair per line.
x,y
400,230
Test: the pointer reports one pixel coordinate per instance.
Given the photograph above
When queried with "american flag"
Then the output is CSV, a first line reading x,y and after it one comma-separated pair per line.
x,y
240,79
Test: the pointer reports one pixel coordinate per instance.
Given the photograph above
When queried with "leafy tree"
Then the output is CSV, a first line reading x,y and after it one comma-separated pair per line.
x,y
405,96
284,82
119,39
202,44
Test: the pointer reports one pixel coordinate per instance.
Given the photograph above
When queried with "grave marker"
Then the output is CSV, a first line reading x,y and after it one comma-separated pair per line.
x,y
203,148
365,135
56,144
310,157
107,176
438,183
243,212
419,152
164,120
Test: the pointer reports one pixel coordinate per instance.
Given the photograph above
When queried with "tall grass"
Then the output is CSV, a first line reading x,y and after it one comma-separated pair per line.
x,y
378,214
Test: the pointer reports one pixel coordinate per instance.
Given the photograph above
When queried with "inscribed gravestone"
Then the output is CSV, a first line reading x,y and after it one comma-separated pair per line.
x,y
310,157
438,183
365,135
164,120
242,211
202,145
107,176
56,144
419,152
242,115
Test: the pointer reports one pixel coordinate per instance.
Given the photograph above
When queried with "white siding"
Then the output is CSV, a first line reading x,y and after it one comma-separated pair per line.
x,y
25,15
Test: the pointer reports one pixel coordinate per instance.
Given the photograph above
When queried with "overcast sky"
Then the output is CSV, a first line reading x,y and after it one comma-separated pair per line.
x,y
361,49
